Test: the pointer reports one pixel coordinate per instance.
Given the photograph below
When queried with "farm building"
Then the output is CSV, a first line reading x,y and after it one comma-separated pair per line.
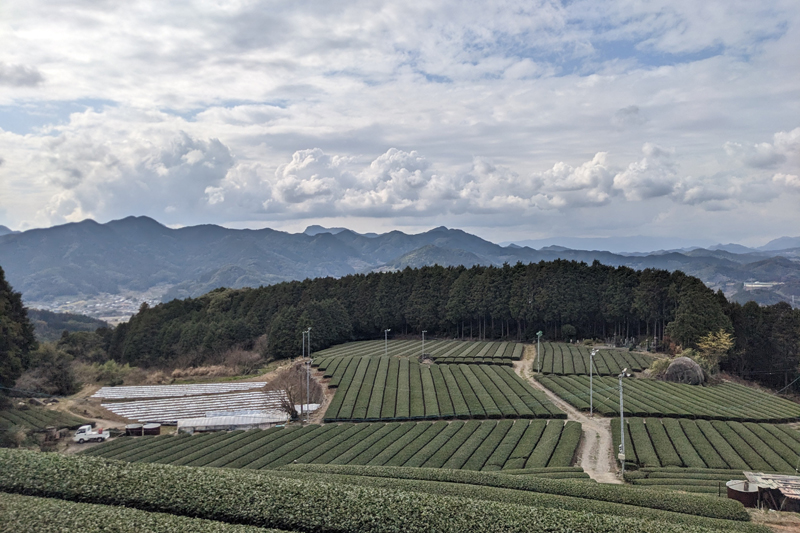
x,y
776,491
232,422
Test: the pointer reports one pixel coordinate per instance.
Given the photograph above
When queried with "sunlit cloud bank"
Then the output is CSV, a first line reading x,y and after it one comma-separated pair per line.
x,y
521,119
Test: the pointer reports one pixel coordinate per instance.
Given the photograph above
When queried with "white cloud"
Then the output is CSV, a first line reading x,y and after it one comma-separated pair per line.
x,y
520,112
653,176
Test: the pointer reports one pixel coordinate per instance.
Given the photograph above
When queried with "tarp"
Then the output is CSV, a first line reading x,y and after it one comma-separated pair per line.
x,y
251,421
788,485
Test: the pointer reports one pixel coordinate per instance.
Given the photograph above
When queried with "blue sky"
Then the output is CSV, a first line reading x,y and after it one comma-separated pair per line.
x,y
512,120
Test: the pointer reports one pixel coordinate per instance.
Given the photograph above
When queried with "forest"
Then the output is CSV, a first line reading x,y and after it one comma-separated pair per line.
x,y
566,300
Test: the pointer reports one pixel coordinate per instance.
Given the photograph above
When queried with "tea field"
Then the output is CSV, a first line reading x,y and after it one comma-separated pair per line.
x,y
354,498
568,359
472,445
37,418
393,388
481,352
713,444
647,397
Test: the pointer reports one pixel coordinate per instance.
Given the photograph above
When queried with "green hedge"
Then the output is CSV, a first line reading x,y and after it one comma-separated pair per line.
x,y
47,515
567,445
535,499
261,499
711,508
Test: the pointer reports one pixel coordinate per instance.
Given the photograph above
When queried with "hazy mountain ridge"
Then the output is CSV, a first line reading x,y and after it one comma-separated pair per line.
x,y
138,253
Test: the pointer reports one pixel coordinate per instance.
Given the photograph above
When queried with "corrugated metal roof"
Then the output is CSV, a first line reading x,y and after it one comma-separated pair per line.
x,y
788,485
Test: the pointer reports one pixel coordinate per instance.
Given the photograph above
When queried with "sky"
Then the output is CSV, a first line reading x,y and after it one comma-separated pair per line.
x,y
676,120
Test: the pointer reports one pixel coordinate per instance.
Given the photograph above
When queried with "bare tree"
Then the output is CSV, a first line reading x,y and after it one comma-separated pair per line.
x,y
292,382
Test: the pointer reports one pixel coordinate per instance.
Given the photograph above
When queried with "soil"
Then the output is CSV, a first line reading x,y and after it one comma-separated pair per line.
x,y
595,452
776,521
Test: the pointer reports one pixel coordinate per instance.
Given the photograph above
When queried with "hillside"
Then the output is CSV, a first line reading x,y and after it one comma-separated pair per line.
x,y
81,267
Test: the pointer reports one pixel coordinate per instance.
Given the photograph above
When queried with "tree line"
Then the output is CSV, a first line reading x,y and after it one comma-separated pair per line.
x,y
563,299
566,300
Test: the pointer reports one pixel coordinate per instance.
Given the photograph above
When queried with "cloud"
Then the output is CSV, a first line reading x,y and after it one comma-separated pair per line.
x,y
628,117
19,75
653,176
790,181
784,147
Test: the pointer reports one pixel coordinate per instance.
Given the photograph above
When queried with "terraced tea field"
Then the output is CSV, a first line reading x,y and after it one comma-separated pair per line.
x,y
509,445
481,352
717,444
393,388
355,498
570,359
36,418
647,397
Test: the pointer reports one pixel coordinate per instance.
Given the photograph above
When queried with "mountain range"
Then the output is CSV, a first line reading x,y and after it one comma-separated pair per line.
x,y
136,254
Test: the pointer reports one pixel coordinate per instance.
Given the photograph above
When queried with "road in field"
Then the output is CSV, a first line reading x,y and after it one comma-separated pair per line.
x,y
595,454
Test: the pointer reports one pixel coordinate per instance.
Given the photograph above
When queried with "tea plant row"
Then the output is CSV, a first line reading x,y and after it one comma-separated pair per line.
x,y
472,445
566,359
648,397
715,444
392,388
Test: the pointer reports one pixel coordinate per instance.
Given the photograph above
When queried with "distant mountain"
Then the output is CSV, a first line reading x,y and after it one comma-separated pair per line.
x,y
137,254
6,231
733,248
781,243
316,230
636,244
433,255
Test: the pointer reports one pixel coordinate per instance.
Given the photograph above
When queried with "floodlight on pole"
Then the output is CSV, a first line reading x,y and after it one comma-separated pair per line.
x,y
424,331
386,342
538,351
591,385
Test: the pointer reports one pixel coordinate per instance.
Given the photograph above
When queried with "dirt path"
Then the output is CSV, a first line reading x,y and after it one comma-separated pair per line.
x,y
595,453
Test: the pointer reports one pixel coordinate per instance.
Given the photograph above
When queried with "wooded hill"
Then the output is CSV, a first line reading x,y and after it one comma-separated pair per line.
x,y
561,298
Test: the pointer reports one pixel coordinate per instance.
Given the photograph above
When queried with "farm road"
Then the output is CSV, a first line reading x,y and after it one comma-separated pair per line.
x,y
595,453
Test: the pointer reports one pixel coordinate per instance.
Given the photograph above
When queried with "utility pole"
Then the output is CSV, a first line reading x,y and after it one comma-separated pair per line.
x,y
621,455
303,355
423,341
538,351
591,386
308,375
386,342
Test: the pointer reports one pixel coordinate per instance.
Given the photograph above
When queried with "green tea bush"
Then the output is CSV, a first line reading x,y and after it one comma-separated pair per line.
x,y
261,499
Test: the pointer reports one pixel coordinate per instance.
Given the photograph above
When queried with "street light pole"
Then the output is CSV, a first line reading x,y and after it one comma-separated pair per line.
x,y
538,351
386,342
308,374
621,455
424,331
303,355
591,386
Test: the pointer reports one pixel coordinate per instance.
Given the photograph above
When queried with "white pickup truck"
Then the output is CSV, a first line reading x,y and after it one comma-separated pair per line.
x,y
87,434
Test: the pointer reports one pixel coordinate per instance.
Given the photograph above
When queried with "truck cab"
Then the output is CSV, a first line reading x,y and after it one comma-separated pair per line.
x,y
87,434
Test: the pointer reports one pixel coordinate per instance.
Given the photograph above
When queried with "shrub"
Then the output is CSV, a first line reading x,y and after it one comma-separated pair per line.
x,y
261,499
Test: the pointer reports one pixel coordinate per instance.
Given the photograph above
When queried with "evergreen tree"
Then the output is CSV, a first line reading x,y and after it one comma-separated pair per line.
x,y
17,339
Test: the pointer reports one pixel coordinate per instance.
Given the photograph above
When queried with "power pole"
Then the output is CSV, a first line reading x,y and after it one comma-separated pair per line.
x,y
308,376
621,455
538,351
591,386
